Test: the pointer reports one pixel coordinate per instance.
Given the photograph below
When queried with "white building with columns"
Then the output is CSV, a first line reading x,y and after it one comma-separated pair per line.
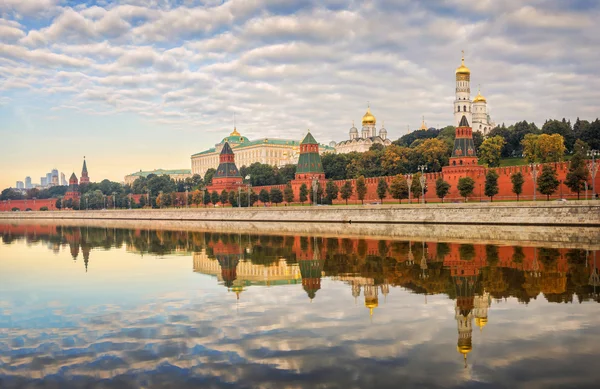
x,y
475,111
368,136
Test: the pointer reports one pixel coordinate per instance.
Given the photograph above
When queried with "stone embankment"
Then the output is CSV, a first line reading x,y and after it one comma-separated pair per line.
x,y
576,213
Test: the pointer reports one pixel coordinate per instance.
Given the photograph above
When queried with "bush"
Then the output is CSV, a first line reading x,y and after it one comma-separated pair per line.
x,y
15,209
44,209
28,209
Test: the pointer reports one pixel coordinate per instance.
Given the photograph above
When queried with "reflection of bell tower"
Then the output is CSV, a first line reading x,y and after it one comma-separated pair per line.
x,y
85,250
355,289
371,298
310,270
482,304
465,278
228,255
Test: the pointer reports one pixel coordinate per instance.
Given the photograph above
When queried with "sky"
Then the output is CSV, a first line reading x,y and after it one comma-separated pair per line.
x,y
143,84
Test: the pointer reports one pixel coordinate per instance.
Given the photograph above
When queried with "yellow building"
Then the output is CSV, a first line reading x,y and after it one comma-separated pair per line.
x,y
271,151
179,174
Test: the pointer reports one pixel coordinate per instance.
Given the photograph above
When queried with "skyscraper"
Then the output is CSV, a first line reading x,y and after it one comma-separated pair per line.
x,y
48,179
63,180
28,183
20,185
54,180
43,181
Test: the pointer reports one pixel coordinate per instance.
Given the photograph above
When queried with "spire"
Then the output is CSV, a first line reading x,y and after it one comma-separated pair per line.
x,y
423,126
84,170
464,122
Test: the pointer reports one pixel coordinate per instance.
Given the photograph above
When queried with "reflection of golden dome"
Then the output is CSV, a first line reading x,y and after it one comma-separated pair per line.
x,y
479,98
237,289
368,119
481,322
464,349
371,303
235,132
462,69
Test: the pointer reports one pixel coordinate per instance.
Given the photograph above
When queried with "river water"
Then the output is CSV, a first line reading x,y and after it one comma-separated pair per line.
x,y
85,307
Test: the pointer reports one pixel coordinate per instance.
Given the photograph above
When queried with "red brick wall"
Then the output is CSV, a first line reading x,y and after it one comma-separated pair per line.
x,y
24,204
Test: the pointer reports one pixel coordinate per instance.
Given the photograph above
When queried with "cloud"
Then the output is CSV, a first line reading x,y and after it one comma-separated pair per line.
x,y
28,7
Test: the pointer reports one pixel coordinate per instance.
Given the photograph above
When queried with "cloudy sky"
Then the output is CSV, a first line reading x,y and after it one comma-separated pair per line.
x,y
143,84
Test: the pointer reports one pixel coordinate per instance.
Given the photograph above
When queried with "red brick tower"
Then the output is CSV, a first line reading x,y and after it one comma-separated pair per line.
x,y
73,191
227,176
85,179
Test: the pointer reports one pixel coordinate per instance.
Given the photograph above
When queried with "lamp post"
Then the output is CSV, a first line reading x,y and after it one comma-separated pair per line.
x,y
593,169
114,200
104,197
422,180
534,176
315,185
239,197
186,197
247,178
409,180
149,203
130,200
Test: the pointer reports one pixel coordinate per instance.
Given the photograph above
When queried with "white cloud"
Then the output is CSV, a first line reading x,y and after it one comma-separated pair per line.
x,y
10,34
28,7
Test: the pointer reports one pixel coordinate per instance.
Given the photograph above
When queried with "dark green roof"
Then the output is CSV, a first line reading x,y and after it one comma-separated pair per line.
x,y
84,170
463,122
309,163
226,149
309,140
463,147
160,172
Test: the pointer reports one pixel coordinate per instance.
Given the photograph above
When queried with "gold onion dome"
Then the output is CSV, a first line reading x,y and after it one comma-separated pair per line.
x,y
479,98
462,69
481,322
368,118
235,132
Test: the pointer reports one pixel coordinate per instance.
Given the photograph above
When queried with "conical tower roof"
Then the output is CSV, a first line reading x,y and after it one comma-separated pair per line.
x,y
84,170
309,140
464,122
73,176
226,149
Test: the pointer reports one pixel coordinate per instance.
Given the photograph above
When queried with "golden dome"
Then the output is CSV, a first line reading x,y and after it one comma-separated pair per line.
x,y
423,126
481,322
479,98
464,349
235,132
462,69
368,118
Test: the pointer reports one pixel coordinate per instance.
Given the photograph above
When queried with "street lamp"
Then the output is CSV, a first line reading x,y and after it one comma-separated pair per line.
x,y
247,178
239,197
422,180
409,180
315,185
114,200
534,176
149,202
130,200
186,197
593,169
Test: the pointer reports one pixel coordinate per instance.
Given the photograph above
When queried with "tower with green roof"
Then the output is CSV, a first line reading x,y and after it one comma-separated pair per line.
x,y
228,176
309,164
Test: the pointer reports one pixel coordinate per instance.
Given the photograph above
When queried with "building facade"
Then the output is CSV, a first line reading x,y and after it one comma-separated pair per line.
x,y
475,111
367,137
271,151
177,174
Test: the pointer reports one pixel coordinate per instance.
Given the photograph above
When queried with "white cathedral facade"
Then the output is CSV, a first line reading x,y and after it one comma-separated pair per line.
x,y
475,111
367,137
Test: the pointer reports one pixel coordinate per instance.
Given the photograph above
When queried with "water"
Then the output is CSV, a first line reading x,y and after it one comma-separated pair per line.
x,y
119,308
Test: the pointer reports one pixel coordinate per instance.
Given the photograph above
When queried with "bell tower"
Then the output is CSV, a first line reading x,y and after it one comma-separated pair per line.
x,y
462,102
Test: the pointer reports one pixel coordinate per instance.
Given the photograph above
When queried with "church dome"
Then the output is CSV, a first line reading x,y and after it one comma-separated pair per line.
x,y
481,322
368,118
353,130
479,98
462,69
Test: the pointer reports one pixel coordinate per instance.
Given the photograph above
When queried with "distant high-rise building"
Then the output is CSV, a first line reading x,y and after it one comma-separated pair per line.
x,y
63,180
54,180
20,185
28,183
48,179
43,181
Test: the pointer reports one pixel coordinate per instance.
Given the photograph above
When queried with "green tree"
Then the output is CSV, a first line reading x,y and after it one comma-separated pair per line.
x,y
465,186
491,151
547,183
578,171
206,198
303,194
263,196
399,188
517,180
382,188
361,189
331,191
491,184
562,128
346,191
208,176
288,193
441,188
214,198
276,196
224,197
415,188
287,173
253,197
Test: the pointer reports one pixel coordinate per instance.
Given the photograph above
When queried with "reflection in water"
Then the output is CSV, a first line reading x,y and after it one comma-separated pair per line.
x,y
471,275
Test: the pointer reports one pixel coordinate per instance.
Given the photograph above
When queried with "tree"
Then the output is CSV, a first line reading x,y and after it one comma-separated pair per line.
x,y
288,193
382,188
441,188
346,191
530,150
214,198
196,197
465,186
253,197
491,150
517,180
224,197
562,128
434,153
276,196
547,182
208,176
287,173
331,191
361,189
399,188
578,171
143,201
233,198
491,184
415,187
303,194
206,198
263,196
551,148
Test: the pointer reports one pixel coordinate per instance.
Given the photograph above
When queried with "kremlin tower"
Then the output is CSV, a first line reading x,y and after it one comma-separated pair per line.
x,y
85,179
227,176
309,162
73,191
311,267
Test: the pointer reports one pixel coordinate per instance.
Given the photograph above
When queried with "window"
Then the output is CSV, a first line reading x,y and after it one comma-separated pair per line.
x,y
459,108
464,108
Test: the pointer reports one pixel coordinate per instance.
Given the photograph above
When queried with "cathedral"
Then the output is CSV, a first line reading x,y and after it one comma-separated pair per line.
x,y
367,137
475,111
